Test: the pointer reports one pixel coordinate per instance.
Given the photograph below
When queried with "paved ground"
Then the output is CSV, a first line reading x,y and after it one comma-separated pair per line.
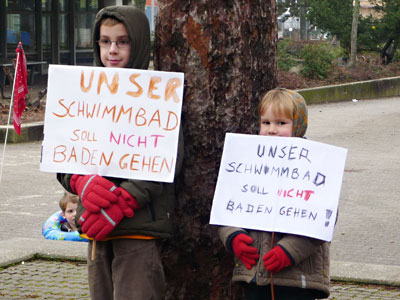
x,y
365,246
368,226
42,279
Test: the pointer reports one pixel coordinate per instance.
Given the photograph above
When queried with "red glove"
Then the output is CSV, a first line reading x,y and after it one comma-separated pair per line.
x,y
127,203
276,259
99,225
95,191
248,255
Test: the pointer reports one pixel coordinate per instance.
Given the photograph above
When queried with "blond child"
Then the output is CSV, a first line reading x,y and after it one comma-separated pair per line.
x,y
299,264
61,225
68,205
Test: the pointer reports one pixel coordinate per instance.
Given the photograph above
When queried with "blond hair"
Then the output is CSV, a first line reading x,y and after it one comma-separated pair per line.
x,y
280,101
67,198
289,104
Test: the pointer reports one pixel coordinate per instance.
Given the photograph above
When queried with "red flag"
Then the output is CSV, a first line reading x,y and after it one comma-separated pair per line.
x,y
20,87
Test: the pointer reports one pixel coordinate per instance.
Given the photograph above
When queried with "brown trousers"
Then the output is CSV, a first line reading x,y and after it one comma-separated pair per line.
x,y
126,269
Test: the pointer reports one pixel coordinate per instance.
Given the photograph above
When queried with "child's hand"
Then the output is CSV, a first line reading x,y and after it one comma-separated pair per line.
x,y
127,203
276,259
94,191
248,255
99,225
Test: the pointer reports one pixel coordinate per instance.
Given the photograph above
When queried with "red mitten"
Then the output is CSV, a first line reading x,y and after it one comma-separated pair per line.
x,y
94,191
127,203
99,225
276,259
248,255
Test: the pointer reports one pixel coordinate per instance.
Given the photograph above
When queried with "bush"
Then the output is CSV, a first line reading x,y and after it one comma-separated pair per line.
x,y
317,60
396,57
287,58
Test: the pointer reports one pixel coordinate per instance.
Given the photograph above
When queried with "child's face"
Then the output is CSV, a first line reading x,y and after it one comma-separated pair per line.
x,y
114,56
273,125
70,212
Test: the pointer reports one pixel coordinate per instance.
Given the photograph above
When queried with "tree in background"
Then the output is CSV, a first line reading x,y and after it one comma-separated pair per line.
x,y
227,50
389,27
390,22
354,28
333,17
303,19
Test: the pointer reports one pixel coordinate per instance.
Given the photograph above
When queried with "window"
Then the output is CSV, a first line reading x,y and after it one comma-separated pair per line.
x,y
20,5
46,33
86,12
21,27
46,5
86,5
83,31
57,31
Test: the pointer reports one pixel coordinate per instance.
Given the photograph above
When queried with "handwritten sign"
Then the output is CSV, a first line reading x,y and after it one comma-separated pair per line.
x,y
112,122
279,184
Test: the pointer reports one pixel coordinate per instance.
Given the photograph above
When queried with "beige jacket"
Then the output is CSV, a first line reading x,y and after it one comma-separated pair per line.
x,y
310,256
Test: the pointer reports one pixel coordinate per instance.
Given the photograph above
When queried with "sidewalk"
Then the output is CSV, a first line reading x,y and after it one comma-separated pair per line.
x,y
365,247
43,279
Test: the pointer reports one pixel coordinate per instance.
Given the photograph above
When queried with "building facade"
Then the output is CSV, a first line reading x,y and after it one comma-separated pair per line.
x,y
54,31
367,8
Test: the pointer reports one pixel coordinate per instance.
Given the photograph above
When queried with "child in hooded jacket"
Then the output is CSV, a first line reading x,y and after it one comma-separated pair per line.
x,y
299,264
127,218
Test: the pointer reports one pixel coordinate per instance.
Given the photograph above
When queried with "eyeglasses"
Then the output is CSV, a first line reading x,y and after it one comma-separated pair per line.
x,y
121,44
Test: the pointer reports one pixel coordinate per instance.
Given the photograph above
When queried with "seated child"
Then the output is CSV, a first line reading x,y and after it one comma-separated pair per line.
x,y
68,205
61,225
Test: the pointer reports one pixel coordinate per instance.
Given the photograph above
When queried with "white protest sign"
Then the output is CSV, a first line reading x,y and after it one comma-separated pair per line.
x,y
279,184
113,122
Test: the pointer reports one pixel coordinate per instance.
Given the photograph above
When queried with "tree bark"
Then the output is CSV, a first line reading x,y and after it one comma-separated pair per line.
x,y
227,50
354,29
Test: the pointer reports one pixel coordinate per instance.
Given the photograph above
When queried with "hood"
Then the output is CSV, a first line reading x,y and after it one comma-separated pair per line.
x,y
300,114
138,29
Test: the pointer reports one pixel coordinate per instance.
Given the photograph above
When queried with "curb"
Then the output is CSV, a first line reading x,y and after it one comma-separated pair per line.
x,y
369,89
365,273
29,132
15,250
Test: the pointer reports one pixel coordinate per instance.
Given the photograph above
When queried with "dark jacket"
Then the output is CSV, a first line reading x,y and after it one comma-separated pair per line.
x,y
156,199
310,256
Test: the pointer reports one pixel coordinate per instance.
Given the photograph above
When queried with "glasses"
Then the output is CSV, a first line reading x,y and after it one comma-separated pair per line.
x,y
121,44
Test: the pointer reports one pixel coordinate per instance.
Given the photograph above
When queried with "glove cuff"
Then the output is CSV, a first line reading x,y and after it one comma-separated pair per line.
x,y
287,258
230,239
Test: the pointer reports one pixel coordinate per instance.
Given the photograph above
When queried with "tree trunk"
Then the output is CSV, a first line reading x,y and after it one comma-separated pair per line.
x,y
227,50
354,29
303,21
